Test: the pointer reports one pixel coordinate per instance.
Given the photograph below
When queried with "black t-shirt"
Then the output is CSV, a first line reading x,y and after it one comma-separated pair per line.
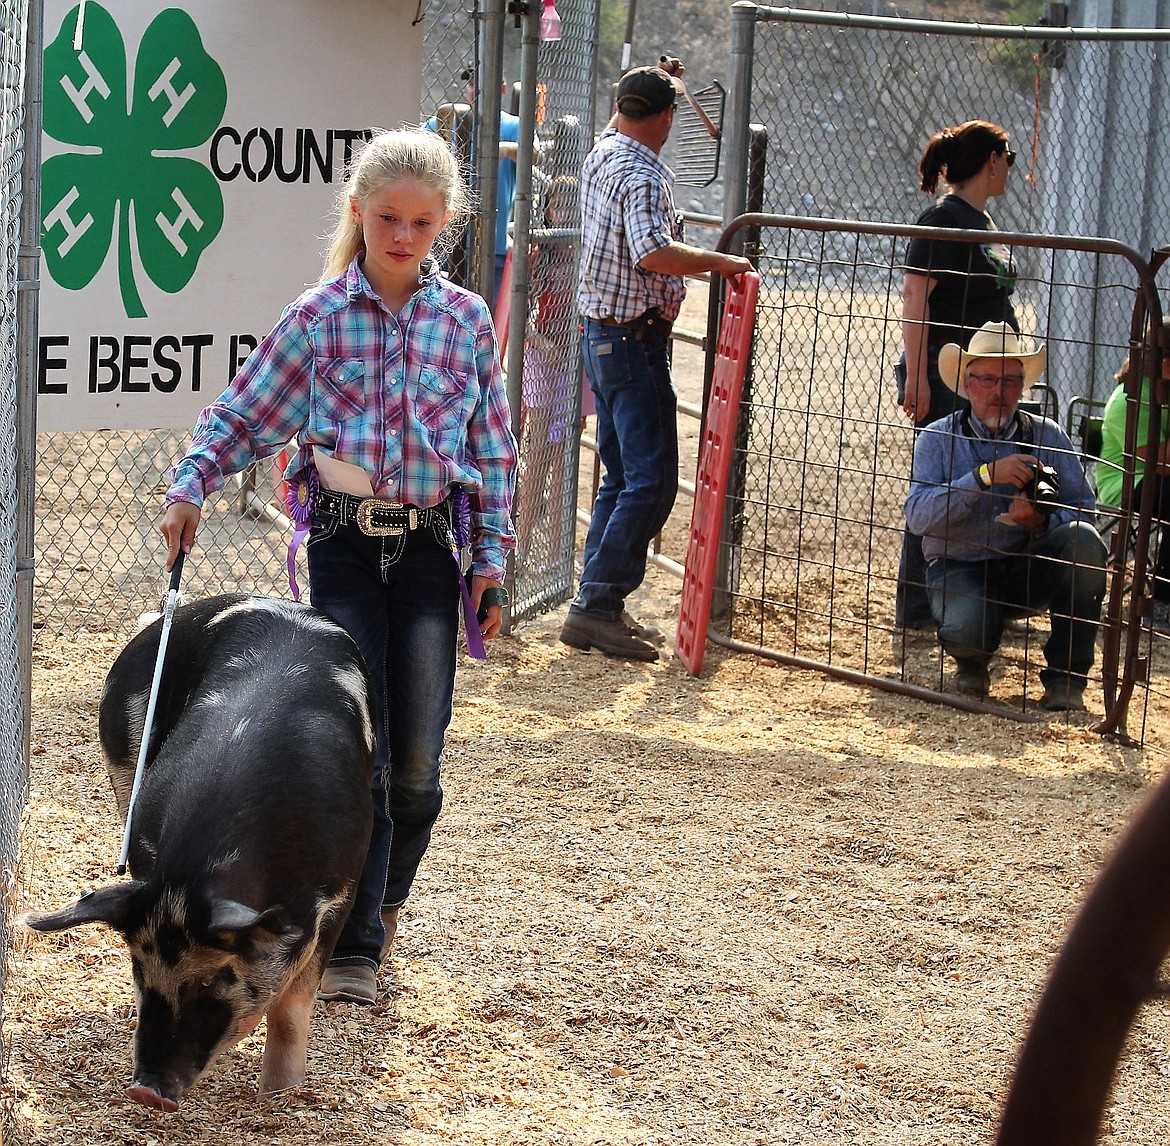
x,y
975,280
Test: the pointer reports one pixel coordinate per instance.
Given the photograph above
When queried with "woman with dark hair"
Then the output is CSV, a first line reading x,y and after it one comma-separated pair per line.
x,y
949,291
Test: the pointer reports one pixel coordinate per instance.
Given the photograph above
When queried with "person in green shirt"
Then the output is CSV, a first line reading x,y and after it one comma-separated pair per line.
x,y
1111,467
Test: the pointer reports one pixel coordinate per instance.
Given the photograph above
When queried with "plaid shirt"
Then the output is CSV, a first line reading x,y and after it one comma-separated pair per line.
x,y
627,213
417,401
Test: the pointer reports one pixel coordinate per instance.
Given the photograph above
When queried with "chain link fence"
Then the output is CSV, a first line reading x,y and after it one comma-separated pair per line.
x,y
99,495
846,104
13,674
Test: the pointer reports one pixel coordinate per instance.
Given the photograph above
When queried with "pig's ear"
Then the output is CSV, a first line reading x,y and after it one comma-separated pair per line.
x,y
109,905
231,919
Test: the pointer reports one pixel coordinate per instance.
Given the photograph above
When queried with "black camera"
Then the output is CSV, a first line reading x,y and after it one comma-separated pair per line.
x,y
1044,490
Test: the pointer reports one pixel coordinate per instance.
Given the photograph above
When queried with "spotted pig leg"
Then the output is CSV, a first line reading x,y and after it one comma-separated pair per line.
x,y
287,1042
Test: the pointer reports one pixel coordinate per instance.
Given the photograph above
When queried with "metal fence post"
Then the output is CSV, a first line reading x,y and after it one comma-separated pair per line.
x,y
28,285
743,32
486,145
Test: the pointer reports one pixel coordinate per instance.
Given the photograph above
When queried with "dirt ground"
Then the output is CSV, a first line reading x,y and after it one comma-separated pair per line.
x,y
762,906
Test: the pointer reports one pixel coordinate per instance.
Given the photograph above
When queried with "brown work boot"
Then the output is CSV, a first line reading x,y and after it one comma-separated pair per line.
x,y
1064,696
651,633
390,922
973,678
585,631
356,983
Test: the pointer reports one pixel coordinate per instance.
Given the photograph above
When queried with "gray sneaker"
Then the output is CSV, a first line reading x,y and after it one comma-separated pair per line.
x,y
585,631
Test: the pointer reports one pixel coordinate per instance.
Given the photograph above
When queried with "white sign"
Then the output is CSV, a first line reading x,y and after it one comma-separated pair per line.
x,y
192,158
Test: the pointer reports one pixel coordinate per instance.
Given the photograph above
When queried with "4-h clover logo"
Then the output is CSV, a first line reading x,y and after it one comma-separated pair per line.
x,y
167,209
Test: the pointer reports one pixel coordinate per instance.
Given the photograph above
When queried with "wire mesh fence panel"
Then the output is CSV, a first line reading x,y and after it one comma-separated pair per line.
x,y
100,556
99,495
13,701
825,457
849,103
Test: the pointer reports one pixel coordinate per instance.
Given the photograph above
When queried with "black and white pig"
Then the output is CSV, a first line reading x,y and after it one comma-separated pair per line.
x,y
249,831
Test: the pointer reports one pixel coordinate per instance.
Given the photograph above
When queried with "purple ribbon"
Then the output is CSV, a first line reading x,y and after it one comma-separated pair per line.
x,y
461,535
300,501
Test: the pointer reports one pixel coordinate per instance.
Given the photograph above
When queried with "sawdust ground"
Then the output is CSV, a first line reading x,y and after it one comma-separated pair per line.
x,y
762,906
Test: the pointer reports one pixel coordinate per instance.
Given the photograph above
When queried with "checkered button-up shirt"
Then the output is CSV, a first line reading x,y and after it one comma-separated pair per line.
x,y
627,213
417,400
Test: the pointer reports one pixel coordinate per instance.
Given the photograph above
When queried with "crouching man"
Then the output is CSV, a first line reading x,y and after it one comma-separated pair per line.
x,y
1006,511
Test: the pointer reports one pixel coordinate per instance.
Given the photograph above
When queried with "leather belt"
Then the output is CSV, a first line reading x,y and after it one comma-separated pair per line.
x,y
648,323
377,516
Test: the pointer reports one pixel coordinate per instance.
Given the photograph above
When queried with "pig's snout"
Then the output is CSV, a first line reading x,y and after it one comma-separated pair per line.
x,y
148,1093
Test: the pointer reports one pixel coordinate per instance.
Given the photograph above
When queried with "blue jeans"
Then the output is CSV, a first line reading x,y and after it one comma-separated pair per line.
x,y
398,597
1062,571
637,440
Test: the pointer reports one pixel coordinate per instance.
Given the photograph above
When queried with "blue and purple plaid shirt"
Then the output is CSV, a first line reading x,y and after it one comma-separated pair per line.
x,y
416,400
627,213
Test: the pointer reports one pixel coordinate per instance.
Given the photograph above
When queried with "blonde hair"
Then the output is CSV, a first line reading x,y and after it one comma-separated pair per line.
x,y
388,156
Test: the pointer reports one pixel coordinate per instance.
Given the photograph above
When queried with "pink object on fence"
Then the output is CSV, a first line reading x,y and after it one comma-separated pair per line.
x,y
502,311
715,452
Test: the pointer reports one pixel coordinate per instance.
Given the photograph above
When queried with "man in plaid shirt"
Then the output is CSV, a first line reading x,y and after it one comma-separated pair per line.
x,y
632,286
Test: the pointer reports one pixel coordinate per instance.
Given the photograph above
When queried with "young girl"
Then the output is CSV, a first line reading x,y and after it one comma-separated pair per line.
x,y
389,377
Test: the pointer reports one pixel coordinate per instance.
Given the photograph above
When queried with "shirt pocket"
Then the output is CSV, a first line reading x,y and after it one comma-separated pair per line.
x,y
444,398
339,391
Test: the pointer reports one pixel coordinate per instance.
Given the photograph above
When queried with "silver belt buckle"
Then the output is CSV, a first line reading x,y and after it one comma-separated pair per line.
x,y
365,517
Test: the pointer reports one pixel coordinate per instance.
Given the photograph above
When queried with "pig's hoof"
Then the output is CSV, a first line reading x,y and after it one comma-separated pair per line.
x,y
353,984
148,1096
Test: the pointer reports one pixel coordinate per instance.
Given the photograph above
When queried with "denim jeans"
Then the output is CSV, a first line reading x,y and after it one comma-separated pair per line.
x,y
1062,571
910,601
637,440
398,597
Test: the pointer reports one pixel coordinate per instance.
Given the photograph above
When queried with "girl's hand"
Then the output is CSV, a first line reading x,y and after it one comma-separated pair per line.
x,y
916,401
494,615
178,528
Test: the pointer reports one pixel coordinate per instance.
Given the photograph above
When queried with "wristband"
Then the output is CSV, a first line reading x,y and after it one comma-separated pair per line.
x,y
495,596
983,476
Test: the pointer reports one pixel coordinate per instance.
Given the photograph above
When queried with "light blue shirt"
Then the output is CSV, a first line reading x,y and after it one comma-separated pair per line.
x,y
955,517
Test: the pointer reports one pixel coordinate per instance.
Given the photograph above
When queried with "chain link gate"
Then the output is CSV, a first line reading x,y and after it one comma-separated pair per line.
x,y
848,102
810,553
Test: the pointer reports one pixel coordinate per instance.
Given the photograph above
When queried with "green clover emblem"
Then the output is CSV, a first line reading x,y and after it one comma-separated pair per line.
x,y
168,208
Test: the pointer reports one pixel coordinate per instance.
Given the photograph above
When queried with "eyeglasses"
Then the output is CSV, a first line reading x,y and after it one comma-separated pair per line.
x,y
1009,156
988,381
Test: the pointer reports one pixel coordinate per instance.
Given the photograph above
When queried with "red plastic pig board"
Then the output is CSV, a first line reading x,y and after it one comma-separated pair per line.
x,y
715,450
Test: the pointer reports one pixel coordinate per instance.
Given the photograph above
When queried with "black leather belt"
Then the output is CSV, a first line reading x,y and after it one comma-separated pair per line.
x,y
377,516
648,323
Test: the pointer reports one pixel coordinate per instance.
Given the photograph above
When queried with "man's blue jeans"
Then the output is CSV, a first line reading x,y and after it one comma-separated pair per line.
x,y
1062,571
398,597
637,440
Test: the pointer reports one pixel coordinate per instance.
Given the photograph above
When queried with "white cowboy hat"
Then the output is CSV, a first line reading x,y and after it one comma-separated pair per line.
x,y
991,340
